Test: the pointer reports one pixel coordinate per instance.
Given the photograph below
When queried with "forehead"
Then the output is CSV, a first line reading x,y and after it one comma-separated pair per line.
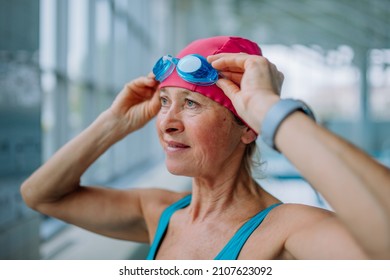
x,y
182,92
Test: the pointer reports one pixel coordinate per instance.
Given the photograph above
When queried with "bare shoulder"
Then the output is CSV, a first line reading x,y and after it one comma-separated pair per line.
x,y
290,217
309,232
295,219
299,213
154,198
154,201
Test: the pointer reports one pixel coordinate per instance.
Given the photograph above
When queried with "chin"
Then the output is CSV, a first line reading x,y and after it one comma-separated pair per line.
x,y
178,169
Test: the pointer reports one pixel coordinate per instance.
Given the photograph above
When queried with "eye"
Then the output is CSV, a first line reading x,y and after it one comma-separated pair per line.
x,y
164,101
191,104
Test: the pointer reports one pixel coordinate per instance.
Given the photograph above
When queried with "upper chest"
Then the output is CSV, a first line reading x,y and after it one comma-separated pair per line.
x,y
206,240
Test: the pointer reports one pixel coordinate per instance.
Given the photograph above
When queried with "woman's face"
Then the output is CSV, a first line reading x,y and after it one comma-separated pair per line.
x,y
199,136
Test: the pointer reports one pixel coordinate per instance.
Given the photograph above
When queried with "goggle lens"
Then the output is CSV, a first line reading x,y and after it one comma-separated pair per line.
x,y
192,68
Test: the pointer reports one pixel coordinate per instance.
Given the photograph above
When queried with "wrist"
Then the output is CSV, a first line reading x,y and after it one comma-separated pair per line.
x,y
276,115
110,127
259,109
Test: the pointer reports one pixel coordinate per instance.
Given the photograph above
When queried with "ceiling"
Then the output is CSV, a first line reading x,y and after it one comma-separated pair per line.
x,y
329,23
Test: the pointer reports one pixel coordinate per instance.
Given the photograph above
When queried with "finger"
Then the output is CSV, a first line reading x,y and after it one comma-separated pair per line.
x,y
140,89
232,62
276,73
151,75
231,69
155,104
235,77
277,78
146,81
280,82
281,77
228,87
214,57
142,84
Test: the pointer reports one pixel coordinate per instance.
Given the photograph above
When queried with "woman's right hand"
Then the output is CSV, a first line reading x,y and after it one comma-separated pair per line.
x,y
136,104
55,190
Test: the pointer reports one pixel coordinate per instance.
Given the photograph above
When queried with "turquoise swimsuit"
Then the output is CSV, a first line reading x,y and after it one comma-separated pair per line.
x,y
232,248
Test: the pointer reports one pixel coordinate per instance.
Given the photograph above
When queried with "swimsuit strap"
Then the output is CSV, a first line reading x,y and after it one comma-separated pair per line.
x,y
234,246
163,224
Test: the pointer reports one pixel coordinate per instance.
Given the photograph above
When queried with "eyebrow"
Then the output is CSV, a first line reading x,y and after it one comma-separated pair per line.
x,y
198,97
182,91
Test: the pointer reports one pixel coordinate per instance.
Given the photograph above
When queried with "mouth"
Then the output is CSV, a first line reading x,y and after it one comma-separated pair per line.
x,y
172,146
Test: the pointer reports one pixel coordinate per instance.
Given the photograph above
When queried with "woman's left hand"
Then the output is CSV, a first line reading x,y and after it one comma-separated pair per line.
x,y
251,82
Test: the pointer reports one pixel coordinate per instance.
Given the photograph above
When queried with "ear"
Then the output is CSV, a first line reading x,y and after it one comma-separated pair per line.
x,y
248,136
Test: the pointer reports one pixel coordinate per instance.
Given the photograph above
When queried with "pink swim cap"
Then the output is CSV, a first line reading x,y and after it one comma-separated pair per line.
x,y
206,47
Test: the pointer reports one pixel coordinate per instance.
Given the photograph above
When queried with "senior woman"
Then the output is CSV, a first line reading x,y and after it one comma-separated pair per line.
x,y
227,215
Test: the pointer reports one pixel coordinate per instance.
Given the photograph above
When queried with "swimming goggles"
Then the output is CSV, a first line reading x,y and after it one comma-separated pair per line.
x,y
192,68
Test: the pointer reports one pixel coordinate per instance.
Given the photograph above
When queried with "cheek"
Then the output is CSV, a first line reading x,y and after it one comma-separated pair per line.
x,y
216,137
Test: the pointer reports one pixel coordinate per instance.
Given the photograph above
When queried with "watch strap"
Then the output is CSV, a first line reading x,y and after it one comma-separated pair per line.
x,y
277,114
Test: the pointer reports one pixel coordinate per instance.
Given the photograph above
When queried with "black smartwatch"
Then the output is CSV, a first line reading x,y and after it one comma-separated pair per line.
x,y
277,114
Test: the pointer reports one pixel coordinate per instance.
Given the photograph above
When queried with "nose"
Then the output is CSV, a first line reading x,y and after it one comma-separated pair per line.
x,y
170,120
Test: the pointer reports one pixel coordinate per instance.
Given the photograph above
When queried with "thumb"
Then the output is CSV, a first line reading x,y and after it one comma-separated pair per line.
x,y
154,105
228,87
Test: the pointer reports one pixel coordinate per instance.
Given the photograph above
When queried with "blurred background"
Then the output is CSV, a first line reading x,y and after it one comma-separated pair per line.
x,y
63,62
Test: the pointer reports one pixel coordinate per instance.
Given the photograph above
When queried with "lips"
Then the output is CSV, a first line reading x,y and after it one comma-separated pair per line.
x,y
175,146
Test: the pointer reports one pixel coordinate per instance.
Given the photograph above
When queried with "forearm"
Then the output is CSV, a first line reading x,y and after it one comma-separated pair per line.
x,y
356,186
61,174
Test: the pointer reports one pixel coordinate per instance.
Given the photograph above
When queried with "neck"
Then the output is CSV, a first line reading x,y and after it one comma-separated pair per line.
x,y
223,195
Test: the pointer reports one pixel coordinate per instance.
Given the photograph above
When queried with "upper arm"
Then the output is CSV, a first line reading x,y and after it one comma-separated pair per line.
x,y
319,234
121,214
